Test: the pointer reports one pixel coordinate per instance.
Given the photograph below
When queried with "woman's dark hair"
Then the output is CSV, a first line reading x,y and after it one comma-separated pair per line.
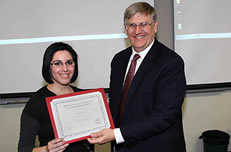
x,y
48,55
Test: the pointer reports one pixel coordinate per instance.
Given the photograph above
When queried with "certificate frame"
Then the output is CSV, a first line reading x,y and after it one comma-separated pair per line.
x,y
69,112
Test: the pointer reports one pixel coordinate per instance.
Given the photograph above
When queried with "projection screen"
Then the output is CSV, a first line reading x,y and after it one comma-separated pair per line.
x,y
203,37
93,28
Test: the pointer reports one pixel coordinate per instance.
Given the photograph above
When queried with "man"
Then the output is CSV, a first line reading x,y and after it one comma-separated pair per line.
x,y
151,118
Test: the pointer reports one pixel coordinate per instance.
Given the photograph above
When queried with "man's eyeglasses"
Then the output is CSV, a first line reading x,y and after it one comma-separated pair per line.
x,y
142,25
59,64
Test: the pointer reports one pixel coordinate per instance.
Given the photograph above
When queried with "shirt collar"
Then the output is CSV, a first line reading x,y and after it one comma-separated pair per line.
x,y
144,52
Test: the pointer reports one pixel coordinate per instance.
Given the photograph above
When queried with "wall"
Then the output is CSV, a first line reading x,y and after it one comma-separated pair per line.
x,y
202,111
9,128
205,111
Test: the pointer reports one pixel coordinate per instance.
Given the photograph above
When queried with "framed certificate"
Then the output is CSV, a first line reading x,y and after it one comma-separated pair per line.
x,y
75,116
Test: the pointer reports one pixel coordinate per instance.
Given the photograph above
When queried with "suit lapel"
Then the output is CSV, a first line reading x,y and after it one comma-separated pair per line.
x,y
122,66
146,64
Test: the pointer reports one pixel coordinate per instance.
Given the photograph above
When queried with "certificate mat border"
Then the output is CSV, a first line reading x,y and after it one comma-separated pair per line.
x,y
50,111
73,100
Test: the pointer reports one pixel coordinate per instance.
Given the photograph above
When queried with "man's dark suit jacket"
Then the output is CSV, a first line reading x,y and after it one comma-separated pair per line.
x,y
152,117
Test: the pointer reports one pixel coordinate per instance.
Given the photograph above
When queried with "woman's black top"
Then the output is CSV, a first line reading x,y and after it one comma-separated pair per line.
x,y
35,121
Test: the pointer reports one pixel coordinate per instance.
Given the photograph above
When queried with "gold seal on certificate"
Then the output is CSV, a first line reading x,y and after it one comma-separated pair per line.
x,y
75,116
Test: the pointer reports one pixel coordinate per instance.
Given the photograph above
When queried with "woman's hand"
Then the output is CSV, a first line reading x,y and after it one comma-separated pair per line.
x,y
57,145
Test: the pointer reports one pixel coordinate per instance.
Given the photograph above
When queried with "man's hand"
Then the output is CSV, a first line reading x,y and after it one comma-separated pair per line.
x,y
102,137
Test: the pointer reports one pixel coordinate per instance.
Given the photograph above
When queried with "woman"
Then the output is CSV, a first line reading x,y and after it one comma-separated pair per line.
x,y
60,68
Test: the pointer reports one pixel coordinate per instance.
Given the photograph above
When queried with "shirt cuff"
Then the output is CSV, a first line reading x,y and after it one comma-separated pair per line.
x,y
118,136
